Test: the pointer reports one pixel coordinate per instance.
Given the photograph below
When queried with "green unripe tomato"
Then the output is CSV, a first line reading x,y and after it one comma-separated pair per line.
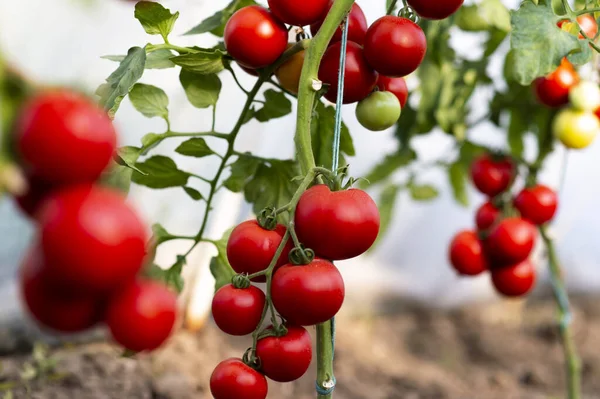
x,y
576,129
585,96
380,111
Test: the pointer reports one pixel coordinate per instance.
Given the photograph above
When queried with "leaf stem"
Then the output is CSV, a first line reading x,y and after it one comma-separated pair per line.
x,y
392,7
587,11
230,69
153,47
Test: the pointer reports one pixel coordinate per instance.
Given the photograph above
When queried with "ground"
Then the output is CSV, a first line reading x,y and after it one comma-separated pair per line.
x,y
506,351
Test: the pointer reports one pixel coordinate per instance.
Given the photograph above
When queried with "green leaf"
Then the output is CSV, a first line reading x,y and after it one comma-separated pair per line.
x,y
322,128
161,172
194,147
216,23
120,82
457,174
484,16
424,192
242,171
272,185
386,205
151,138
517,128
202,91
155,19
276,106
219,265
160,234
150,100
128,156
158,59
193,193
389,165
205,61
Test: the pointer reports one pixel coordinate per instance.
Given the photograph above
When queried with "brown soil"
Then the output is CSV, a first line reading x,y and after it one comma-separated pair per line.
x,y
482,352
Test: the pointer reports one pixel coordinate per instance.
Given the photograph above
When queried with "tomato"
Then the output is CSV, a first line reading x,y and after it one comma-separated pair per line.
x,y
510,242
238,311
486,216
357,25
285,359
359,80
249,71
576,129
232,379
299,13
586,22
91,238
380,111
553,90
466,254
435,9
516,280
142,315
537,204
37,191
337,225
251,248
53,307
308,294
396,86
492,175
395,46
254,37
63,137
288,74
585,96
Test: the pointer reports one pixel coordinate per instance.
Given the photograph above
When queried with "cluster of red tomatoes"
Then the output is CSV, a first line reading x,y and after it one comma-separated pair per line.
x,y
503,241
335,225
377,56
578,123
91,244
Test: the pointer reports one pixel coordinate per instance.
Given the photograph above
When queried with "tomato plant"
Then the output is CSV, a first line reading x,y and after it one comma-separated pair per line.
x,y
379,111
397,86
288,74
467,255
238,311
553,90
537,204
576,129
492,176
234,379
510,242
515,280
357,25
486,216
285,358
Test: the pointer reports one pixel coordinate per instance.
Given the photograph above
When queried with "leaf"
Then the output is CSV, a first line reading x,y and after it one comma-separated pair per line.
x,y
424,192
457,174
322,128
483,17
128,156
151,138
205,61
158,59
160,234
194,147
193,193
242,171
272,185
120,82
150,100
219,265
517,128
201,90
155,19
387,204
161,172
216,23
389,165
276,106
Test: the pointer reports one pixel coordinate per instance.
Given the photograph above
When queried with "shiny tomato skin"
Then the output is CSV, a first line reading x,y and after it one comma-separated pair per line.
x,y
576,129
395,46
91,237
288,74
467,255
232,379
357,25
51,306
510,242
238,311
553,90
299,13
486,216
142,315
63,137
435,9
359,80
538,204
337,225
492,176
286,358
515,280
251,248
308,294
254,37
396,86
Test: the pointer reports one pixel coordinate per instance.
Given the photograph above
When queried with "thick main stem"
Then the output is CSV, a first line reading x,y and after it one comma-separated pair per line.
x,y
572,361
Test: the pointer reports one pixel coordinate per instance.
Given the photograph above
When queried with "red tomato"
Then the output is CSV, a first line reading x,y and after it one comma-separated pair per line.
x,y
359,80
537,204
357,25
251,248
510,242
142,315
232,379
486,216
299,13
285,359
30,202
309,294
516,280
395,46
466,254
254,37
435,9
586,22
91,238
63,137
394,85
553,90
53,307
238,311
492,176
337,224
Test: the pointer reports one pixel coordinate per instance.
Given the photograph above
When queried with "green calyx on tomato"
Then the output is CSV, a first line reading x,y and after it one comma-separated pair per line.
x,y
380,111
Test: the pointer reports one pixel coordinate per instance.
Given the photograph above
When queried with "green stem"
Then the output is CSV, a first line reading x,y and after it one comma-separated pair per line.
x,y
153,47
392,7
588,11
